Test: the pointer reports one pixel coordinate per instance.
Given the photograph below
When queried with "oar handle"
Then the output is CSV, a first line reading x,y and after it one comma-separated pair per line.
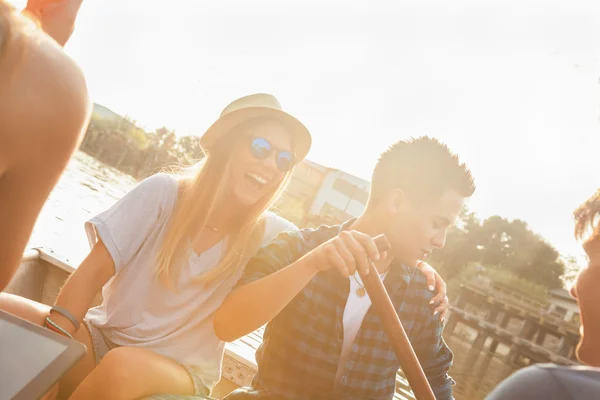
x,y
395,332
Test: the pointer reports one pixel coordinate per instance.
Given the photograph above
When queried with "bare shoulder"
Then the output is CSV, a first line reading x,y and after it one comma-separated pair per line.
x,y
44,104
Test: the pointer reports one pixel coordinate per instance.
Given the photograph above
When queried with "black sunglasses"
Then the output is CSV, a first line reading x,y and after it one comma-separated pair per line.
x,y
261,148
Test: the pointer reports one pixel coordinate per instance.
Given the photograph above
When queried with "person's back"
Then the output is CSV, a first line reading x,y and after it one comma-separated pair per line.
x,y
44,109
550,382
555,382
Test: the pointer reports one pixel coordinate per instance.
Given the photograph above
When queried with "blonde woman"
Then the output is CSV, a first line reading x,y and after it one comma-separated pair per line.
x,y
44,110
167,254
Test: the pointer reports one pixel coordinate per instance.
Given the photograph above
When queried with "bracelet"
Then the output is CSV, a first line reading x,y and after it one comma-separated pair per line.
x,y
56,328
53,329
67,314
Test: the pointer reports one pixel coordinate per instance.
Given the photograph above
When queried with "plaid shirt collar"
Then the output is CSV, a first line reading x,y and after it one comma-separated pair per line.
x,y
398,277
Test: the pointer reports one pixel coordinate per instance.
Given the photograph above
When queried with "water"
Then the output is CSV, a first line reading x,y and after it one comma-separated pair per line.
x,y
476,372
89,187
86,188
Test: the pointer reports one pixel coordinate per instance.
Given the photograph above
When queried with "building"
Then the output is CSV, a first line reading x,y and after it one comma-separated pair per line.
x,y
340,197
304,184
317,194
562,304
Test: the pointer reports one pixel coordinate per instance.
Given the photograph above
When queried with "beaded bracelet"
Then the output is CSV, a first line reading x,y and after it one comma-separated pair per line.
x,y
56,328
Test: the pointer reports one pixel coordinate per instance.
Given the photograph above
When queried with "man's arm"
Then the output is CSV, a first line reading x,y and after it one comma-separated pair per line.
x,y
435,358
266,287
280,271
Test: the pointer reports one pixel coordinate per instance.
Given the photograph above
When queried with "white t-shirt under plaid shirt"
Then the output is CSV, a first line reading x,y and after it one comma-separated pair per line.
x,y
354,313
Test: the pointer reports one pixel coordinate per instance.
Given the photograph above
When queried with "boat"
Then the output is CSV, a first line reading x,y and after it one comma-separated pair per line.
x,y
42,273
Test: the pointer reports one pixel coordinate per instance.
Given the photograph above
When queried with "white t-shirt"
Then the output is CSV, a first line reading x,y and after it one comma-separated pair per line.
x,y
139,311
354,313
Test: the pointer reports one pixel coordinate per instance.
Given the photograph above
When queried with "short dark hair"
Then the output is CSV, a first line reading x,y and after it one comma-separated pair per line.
x,y
424,168
587,217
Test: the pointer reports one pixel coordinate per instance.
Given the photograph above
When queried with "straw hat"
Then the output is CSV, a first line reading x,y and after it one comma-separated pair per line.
x,y
258,105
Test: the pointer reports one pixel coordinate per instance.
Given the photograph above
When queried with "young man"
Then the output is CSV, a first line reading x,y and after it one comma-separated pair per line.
x,y
323,340
572,383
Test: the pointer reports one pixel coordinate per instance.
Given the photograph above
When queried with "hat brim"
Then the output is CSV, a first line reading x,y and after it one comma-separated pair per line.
x,y
301,138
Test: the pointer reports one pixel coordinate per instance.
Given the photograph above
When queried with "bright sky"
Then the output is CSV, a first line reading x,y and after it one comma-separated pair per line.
x,y
512,86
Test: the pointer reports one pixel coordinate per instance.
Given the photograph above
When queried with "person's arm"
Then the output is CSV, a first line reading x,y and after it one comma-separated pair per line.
x,y
253,305
280,271
266,287
115,235
435,358
79,292
44,110
435,282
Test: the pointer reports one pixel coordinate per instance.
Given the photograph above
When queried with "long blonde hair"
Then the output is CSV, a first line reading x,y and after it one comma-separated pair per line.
x,y
200,189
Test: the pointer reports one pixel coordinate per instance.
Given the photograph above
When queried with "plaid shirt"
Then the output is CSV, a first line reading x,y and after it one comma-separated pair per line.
x,y
299,355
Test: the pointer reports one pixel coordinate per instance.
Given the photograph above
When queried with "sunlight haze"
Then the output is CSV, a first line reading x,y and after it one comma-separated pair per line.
x,y
512,86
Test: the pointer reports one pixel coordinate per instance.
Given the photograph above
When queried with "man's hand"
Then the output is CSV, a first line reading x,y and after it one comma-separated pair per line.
x,y
57,17
348,252
435,282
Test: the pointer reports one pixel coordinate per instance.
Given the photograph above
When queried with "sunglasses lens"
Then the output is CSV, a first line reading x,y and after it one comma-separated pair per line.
x,y
260,148
285,161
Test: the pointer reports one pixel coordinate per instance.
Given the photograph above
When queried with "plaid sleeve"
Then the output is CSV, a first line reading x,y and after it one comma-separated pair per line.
x,y
286,248
435,358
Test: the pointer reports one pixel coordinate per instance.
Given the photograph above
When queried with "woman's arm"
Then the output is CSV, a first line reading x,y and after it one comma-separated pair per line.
x,y
81,288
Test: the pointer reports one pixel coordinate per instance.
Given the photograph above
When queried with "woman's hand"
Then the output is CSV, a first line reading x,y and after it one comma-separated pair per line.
x,y
435,282
57,17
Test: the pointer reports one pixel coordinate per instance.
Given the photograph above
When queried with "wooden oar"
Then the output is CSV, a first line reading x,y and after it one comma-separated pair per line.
x,y
394,330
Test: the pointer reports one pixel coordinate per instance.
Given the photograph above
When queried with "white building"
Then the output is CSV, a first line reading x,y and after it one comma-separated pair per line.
x,y
317,194
562,304
341,196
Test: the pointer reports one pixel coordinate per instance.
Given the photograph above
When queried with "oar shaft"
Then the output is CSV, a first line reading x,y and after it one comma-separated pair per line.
x,y
394,330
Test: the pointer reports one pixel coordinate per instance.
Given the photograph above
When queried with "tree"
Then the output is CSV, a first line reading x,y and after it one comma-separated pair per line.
x,y
462,246
509,245
189,149
571,271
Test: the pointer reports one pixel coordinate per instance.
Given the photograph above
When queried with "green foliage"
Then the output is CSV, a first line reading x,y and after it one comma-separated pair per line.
x,y
571,271
189,146
508,245
511,280
120,142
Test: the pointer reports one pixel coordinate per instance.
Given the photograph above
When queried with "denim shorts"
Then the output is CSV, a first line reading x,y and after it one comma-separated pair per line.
x,y
101,346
